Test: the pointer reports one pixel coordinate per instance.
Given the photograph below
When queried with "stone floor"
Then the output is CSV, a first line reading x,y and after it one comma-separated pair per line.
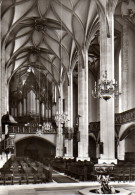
x,y
57,189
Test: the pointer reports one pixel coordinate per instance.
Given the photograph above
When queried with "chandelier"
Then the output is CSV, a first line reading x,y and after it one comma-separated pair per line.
x,y
47,126
105,88
62,118
39,130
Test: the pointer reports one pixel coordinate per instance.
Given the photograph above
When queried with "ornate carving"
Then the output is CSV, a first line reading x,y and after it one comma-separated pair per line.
x,y
40,24
103,176
131,13
31,128
131,16
128,11
120,118
34,50
125,117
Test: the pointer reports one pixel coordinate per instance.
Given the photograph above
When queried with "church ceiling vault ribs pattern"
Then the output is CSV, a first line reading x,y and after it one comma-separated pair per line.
x,y
46,34
53,53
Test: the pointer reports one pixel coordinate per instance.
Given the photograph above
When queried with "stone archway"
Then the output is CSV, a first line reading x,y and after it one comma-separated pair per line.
x,y
130,146
127,142
35,148
127,132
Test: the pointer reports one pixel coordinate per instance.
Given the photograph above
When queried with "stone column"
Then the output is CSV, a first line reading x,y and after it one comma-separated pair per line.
x,y
59,137
69,142
83,107
107,125
0,75
121,150
125,87
37,106
2,99
42,110
24,106
3,81
125,69
59,141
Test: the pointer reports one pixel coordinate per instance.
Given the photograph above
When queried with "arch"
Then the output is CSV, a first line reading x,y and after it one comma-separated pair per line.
x,y
127,131
34,147
92,136
50,138
124,127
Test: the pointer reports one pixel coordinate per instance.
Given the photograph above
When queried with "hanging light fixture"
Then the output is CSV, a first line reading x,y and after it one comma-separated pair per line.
x,y
105,88
39,130
62,118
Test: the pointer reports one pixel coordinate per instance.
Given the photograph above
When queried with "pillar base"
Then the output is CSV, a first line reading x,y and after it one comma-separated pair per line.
x,y
121,157
68,157
107,161
58,156
83,158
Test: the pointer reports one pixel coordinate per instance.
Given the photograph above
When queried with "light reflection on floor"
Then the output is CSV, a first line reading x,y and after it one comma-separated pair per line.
x,y
57,189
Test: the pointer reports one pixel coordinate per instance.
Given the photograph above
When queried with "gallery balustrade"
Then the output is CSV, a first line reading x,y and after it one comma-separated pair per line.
x,y
120,118
124,117
32,129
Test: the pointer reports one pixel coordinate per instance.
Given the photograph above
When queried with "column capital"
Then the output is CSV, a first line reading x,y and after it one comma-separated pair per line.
x,y
84,58
85,50
106,6
106,10
70,77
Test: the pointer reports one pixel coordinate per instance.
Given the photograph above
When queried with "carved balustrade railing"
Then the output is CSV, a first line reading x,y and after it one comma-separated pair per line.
x,y
30,130
125,117
120,118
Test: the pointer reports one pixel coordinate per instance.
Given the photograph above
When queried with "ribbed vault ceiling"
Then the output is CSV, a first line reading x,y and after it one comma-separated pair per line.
x,y
46,34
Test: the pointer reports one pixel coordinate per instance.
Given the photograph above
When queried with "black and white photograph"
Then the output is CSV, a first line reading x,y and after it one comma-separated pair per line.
x,y
67,97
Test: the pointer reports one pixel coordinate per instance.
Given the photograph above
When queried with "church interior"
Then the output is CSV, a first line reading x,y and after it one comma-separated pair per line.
x,y
66,94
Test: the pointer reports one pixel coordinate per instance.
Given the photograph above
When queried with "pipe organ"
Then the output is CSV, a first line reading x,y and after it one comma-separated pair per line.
x,y
33,99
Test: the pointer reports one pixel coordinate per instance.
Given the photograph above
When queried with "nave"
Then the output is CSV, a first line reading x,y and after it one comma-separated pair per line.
x,y
67,88
58,176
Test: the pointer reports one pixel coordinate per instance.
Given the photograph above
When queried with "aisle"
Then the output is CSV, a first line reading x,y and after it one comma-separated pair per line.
x,y
61,178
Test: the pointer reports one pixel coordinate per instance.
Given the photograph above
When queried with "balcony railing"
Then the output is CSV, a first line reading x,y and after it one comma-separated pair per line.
x,y
120,118
30,130
125,117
